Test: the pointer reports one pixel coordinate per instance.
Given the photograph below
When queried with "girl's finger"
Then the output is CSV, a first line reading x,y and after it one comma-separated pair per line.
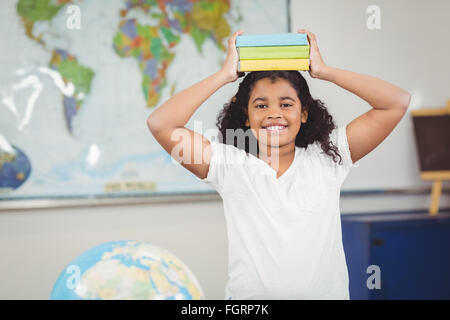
x,y
311,36
236,34
232,38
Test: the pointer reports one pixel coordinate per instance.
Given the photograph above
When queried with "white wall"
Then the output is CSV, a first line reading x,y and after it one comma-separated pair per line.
x,y
410,50
35,245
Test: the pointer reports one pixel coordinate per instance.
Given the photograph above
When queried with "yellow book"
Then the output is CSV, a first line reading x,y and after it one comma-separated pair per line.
x,y
273,64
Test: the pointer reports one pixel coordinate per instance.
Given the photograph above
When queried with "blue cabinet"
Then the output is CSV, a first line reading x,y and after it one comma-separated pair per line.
x,y
412,251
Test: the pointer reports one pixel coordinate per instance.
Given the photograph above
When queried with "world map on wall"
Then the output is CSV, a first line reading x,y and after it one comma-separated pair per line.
x,y
74,100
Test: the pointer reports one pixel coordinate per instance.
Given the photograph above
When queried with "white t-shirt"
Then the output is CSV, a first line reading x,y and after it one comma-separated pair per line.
x,y
284,234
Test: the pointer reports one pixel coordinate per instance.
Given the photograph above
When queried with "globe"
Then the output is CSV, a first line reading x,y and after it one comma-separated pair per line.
x,y
133,270
15,168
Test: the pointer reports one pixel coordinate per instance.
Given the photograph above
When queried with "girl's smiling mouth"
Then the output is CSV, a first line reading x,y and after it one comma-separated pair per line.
x,y
276,128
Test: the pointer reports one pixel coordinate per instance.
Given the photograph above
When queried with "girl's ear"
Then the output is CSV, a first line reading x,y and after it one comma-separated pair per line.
x,y
304,116
247,124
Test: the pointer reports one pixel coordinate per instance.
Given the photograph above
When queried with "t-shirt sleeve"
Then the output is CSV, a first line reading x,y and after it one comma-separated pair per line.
x,y
223,157
339,138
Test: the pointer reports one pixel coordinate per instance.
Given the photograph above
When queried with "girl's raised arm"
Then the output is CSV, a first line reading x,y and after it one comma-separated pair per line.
x,y
388,101
167,123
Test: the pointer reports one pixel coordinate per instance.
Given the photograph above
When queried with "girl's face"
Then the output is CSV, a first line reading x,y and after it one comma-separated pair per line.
x,y
275,112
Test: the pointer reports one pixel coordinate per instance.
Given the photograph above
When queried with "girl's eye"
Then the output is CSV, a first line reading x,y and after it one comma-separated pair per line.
x,y
286,105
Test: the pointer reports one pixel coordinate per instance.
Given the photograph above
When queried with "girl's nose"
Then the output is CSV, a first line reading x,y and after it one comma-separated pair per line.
x,y
274,116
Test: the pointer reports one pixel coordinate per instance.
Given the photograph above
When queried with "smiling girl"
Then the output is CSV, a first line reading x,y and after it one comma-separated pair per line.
x,y
278,165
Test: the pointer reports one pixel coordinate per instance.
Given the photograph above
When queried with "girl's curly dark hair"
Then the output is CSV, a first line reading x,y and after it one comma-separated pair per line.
x,y
317,128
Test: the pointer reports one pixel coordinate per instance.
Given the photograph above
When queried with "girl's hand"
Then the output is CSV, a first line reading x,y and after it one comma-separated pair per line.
x,y
230,67
316,66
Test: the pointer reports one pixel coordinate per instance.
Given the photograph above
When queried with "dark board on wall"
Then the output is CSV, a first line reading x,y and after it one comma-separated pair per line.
x,y
432,135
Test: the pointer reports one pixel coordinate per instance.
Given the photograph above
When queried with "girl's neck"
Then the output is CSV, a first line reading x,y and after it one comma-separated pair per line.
x,y
277,157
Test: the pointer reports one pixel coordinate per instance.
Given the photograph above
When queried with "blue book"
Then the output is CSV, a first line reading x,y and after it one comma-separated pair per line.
x,y
280,39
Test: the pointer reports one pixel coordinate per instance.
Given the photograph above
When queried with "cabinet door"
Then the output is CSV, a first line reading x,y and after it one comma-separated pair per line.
x,y
356,241
414,259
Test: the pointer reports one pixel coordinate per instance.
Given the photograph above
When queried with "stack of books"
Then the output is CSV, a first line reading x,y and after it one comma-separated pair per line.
x,y
285,51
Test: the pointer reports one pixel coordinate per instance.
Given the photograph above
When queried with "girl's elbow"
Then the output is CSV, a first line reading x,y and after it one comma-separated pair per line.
x,y
402,101
406,100
151,124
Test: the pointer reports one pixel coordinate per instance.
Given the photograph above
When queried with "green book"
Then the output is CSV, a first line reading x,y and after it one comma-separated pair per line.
x,y
278,52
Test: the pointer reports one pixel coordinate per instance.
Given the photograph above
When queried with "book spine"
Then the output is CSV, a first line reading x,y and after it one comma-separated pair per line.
x,y
274,64
280,52
263,40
